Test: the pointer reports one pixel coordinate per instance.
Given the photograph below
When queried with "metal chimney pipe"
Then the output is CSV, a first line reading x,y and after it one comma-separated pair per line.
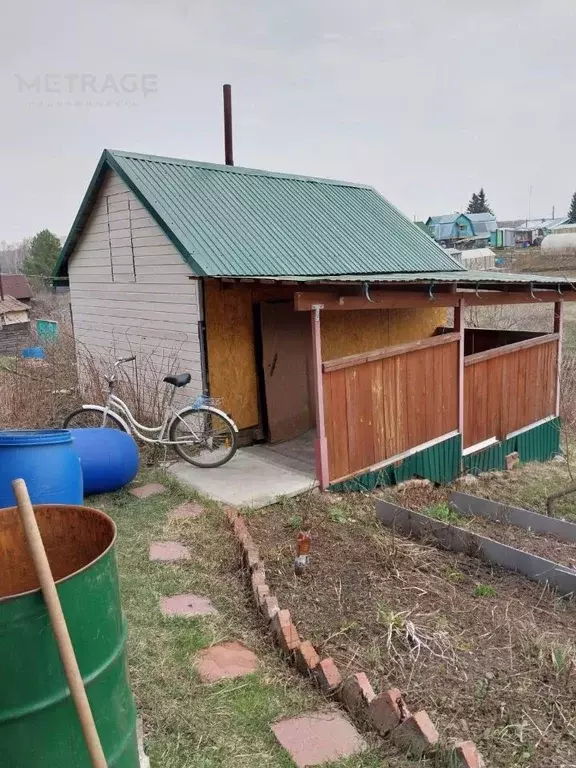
x,y
228,145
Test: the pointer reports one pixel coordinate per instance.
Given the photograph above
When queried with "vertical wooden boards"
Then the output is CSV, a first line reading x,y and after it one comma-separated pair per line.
x,y
509,391
378,409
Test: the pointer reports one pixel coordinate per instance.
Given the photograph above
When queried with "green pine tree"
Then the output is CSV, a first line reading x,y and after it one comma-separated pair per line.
x,y
478,203
572,211
42,254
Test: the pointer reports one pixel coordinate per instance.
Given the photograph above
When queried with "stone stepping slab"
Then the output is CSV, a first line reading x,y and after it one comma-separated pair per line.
x,y
145,491
168,552
189,509
225,661
187,605
318,738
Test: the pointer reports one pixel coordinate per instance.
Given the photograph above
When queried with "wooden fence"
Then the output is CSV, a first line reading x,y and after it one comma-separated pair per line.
x,y
381,404
509,387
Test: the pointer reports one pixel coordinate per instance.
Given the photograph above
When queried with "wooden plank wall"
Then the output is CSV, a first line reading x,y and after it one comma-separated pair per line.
x,y
230,337
131,292
382,407
506,389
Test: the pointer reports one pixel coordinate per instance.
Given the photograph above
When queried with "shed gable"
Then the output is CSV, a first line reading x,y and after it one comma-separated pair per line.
x,y
130,289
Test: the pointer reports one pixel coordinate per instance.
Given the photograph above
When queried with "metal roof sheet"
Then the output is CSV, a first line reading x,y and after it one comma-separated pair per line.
x,y
16,286
233,221
10,304
463,277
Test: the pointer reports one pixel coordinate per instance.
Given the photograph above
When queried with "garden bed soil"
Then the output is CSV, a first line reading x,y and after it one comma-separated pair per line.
x,y
543,545
489,654
427,499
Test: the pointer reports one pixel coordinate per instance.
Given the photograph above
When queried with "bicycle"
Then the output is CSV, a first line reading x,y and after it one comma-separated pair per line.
x,y
193,430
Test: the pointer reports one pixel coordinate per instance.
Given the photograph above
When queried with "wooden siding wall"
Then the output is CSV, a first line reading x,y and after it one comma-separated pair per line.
x,y
130,289
382,407
509,388
14,337
230,337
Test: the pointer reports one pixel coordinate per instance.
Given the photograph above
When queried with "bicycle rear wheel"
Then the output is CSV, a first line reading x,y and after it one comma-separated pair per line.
x,y
92,417
203,437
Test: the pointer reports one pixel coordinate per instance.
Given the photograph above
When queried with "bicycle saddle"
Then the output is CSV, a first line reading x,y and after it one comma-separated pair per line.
x,y
178,380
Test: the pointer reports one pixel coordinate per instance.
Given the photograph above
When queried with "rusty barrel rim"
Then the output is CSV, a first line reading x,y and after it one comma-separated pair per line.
x,y
93,510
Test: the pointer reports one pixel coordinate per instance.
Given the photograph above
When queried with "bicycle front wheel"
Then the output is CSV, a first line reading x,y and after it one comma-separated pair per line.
x,y
203,437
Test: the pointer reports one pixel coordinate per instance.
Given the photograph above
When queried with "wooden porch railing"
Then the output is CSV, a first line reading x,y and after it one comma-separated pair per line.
x,y
509,387
380,404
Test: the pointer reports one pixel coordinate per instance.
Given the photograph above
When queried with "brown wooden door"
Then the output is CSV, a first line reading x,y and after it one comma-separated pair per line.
x,y
286,359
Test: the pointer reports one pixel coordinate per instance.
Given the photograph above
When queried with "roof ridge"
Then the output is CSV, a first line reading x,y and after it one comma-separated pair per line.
x,y
238,169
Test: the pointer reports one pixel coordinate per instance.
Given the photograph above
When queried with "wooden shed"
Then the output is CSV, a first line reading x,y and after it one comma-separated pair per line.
x,y
312,308
14,325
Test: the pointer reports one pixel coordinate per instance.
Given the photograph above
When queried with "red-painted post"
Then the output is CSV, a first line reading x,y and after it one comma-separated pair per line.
x,y
459,327
321,444
559,329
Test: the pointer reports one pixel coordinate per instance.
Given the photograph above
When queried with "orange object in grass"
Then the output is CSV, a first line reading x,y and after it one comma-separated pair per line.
x,y
304,541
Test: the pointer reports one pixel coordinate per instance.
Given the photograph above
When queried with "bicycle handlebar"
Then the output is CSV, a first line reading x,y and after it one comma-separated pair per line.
x,y
124,360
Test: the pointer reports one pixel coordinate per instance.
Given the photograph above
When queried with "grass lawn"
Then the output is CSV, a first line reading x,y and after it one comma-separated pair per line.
x,y
188,724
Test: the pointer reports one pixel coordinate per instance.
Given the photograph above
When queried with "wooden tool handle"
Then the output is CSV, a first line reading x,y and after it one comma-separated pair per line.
x,y
59,626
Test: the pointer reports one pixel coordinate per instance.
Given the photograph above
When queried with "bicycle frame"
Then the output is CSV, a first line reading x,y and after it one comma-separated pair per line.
x,y
156,435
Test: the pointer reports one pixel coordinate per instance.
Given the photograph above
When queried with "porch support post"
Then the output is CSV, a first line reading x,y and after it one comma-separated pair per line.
x,y
321,444
459,327
559,329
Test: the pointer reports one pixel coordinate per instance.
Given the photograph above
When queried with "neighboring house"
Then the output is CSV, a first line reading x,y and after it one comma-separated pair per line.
x,y
504,237
532,231
311,307
18,287
451,228
14,325
422,225
566,227
483,223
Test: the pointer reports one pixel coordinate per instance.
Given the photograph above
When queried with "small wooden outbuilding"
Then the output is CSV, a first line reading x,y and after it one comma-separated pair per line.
x,y
313,306
14,325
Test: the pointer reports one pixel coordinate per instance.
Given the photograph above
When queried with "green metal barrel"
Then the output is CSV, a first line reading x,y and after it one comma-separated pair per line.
x,y
39,726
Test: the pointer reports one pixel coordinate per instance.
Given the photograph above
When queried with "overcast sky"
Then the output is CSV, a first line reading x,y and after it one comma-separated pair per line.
x,y
425,100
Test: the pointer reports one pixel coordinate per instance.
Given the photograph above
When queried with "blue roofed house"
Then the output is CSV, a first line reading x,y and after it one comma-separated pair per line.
x,y
314,310
450,228
484,225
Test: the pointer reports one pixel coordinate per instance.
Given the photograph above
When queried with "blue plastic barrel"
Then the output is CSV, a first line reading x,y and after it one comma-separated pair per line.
x,y
109,458
47,461
34,353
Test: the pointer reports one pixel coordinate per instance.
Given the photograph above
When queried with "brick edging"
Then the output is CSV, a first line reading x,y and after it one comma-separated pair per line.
x,y
386,713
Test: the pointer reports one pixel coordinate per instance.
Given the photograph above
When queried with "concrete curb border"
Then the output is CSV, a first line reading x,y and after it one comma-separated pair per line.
x,y
457,539
468,505
386,713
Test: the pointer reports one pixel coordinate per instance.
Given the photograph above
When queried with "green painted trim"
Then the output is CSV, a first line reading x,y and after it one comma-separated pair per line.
x,y
541,443
82,215
440,463
108,162
136,189
538,444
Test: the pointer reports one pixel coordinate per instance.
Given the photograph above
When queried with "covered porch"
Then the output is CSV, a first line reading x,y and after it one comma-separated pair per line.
x,y
461,399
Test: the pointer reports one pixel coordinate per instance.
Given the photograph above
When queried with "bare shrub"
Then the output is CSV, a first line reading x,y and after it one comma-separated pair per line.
x,y
568,393
532,317
140,383
40,393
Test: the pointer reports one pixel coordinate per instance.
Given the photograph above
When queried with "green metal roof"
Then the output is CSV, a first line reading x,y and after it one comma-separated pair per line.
x,y
229,221
467,277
